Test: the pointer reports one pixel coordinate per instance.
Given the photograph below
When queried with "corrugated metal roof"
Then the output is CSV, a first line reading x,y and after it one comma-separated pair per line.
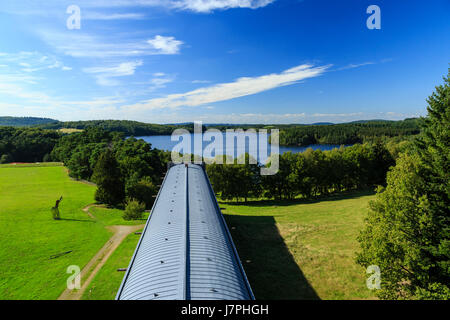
x,y
186,251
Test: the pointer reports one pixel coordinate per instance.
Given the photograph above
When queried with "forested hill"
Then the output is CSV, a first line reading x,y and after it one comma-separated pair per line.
x,y
348,133
290,134
129,128
24,121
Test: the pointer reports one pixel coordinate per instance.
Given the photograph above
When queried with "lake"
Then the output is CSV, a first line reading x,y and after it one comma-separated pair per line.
x,y
166,143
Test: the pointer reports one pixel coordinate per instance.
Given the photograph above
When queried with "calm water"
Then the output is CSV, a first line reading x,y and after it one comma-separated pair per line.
x,y
165,143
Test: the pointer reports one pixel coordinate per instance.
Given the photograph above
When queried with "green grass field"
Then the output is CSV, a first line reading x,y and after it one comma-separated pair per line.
x,y
111,217
33,165
295,250
290,250
106,283
29,236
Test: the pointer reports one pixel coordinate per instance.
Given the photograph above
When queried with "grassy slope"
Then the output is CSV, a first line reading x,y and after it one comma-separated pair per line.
x,y
29,236
106,283
301,250
33,165
111,217
289,250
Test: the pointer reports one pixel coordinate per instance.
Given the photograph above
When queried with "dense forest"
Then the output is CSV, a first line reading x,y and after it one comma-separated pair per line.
x,y
305,174
308,174
347,133
123,169
26,144
129,128
24,121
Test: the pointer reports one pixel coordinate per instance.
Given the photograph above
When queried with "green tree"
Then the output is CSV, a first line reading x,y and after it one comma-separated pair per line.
x,y
142,190
108,177
6,158
407,230
282,184
134,210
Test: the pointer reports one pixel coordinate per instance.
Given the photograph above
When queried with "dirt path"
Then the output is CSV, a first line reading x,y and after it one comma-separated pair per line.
x,y
86,209
95,264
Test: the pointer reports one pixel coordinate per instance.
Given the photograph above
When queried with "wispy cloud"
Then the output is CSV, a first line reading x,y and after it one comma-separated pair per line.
x,y
355,65
29,62
201,81
159,81
48,7
206,6
83,45
113,16
336,115
225,91
105,75
29,101
209,116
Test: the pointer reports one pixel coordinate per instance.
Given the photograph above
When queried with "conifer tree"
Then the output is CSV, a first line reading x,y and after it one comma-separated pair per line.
x,y
407,231
107,176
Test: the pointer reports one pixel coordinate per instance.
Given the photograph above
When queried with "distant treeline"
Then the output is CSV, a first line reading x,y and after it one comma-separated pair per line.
x,y
290,134
26,144
24,121
308,174
347,133
135,168
129,128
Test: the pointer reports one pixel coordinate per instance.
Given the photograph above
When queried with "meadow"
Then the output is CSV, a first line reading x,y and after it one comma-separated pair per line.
x,y
301,249
107,281
32,263
289,250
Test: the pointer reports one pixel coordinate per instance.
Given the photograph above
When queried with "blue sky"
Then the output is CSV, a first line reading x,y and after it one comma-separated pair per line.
x,y
221,61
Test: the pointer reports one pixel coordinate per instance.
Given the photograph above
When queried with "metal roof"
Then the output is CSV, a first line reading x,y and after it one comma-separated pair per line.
x,y
185,251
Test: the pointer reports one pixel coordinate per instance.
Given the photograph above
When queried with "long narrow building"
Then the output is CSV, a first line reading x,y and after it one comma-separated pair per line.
x,y
186,251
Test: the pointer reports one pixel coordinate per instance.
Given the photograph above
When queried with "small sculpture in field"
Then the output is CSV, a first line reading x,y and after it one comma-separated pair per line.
x,y
55,209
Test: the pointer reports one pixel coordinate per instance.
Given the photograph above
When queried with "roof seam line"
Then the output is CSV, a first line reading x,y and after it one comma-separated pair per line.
x,y
187,256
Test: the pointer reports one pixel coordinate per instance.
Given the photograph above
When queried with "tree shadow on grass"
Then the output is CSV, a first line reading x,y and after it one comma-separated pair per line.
x,y
282,203
271,269
77,220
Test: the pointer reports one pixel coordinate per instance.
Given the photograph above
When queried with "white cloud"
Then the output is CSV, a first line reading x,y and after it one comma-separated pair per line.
x,y
31,61
158,83
355,65
207,116
15,90
81,45
32,102
202,6
201,81
165,45
113,16
105,75
337,115
225,91
206,6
